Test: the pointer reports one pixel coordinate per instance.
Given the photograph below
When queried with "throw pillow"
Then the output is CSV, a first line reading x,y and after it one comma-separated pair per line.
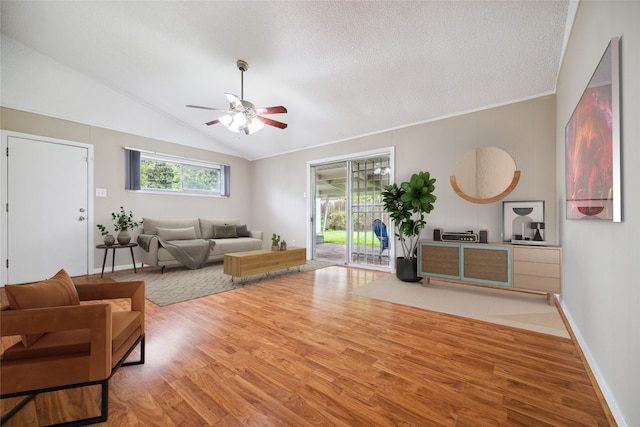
x,y
225,231
54,292
188,233
241,231
207,225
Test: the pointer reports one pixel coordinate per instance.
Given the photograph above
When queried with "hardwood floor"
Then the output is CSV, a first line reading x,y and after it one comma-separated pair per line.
x,y
301,350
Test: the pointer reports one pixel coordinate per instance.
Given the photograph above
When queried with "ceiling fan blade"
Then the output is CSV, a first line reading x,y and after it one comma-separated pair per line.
x,y
271,110
212,122
205,108
271,122
235,102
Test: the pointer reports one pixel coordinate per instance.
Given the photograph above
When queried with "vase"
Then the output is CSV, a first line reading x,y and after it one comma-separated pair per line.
x,y
109,240
407,269
124,237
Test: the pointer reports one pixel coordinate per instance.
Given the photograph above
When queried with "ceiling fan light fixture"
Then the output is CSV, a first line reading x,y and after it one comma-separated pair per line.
x,y
241,121
242,115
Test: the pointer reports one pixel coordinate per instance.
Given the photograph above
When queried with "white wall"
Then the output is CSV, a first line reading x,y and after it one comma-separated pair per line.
x,y
109,174
525,130
601,260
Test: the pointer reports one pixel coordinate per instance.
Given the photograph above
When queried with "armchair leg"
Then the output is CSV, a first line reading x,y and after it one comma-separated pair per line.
x,y
16,408
135,362
104,406
104,384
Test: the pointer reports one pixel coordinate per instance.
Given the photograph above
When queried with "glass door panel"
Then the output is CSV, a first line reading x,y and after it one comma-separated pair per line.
x,y
370,237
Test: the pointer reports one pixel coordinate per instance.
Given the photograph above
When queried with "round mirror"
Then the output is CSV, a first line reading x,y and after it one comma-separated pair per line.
x,y
485,175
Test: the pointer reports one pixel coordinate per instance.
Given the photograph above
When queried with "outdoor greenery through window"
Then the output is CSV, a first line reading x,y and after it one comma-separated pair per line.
x,y
163,173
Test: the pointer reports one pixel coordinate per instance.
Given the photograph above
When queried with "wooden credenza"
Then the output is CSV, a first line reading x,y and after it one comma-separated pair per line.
x,y
499,265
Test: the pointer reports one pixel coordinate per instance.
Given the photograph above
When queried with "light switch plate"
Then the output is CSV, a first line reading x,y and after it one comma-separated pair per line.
x,y
101,192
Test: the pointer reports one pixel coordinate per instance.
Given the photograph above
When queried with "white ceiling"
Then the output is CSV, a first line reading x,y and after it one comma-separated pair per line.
x,y
342,69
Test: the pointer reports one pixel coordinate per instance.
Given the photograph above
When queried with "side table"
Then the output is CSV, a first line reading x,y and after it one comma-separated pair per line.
x,y
113,258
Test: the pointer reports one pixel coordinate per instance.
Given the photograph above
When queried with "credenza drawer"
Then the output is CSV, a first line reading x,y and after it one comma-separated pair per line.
x,y
537,254
537,283
536,269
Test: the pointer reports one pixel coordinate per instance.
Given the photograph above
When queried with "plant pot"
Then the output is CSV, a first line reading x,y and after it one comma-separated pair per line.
x,y
283,247
124,237
109,240
275,248
407,269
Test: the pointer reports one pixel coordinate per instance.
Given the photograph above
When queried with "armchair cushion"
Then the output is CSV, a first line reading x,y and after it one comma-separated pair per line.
x,y
77,341
54,292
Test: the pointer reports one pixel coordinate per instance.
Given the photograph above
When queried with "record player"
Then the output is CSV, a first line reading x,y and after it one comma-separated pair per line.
x,y
460,236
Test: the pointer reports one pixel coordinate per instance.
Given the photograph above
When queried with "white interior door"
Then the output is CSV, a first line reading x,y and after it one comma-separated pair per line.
x,y
48,209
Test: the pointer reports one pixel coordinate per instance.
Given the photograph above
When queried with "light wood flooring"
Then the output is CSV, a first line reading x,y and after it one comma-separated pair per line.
x,y
300,350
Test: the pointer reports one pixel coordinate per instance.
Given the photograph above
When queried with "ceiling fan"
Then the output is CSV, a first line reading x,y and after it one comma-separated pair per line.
x,y
242,115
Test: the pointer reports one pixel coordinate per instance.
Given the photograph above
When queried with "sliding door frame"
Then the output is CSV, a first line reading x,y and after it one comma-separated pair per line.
x,y
386,151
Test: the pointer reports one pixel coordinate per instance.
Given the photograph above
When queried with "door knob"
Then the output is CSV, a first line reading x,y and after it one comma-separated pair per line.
x,y
81,209
81,218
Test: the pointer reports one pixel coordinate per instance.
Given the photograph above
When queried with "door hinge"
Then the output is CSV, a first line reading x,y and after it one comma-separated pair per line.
x,y
7,263
6,208
7,151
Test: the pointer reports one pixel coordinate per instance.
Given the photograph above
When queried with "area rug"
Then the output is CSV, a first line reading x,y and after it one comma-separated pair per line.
x,y
520,310
181,284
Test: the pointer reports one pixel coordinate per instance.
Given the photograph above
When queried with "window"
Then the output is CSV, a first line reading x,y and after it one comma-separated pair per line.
x,y
154,172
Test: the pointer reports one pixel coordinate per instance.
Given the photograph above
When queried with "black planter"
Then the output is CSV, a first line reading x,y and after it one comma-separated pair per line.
x,y
407,269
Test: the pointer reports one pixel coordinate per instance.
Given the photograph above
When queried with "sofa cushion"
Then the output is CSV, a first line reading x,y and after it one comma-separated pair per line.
x,y
241,231
54,292
150,225
241,244
206,225
188,233
225,231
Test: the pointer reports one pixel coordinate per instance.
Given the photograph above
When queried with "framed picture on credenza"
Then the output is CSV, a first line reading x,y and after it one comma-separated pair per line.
x,y
518,217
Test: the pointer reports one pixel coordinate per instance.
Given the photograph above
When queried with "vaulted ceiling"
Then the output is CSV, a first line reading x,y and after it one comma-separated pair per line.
x,y
343,69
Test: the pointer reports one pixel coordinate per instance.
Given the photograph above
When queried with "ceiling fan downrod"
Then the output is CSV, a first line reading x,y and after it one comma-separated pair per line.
x,y
242,66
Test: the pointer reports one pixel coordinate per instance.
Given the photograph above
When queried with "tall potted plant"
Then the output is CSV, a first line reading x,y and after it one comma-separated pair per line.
x,y
407,205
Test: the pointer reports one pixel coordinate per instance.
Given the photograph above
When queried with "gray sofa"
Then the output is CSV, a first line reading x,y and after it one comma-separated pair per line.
x,y
226,234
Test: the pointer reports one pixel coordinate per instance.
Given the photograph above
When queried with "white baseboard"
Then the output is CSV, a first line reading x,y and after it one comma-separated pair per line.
x,y
593,365
107,268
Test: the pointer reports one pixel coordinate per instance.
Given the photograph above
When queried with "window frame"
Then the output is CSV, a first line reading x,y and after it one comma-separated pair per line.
x,y
134,157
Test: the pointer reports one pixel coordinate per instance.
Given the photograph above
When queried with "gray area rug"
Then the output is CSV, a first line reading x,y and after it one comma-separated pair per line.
x,y
516,309
181,284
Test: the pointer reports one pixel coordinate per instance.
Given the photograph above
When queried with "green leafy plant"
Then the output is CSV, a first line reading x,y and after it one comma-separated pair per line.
x,y
275,240
407,205
123,221
103,229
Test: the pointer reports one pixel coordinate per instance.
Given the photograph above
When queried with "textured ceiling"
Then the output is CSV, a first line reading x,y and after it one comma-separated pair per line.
x,y
343,69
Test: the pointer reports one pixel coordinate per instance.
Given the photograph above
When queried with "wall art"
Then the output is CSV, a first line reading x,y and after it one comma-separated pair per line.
x,y
592,145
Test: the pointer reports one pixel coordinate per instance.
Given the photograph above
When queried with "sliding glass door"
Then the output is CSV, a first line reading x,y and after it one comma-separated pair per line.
x,y
348,223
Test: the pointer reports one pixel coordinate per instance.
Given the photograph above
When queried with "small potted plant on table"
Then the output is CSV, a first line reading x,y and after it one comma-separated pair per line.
x,y
123,222
275,242
109,240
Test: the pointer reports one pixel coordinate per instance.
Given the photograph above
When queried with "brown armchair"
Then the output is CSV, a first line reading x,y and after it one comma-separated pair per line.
x,y
69,346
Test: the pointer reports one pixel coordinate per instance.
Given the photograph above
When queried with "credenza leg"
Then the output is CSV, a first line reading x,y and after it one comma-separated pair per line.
x,y
550,298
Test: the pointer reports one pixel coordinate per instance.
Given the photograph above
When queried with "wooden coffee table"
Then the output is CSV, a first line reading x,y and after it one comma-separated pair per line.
x,y
243,264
